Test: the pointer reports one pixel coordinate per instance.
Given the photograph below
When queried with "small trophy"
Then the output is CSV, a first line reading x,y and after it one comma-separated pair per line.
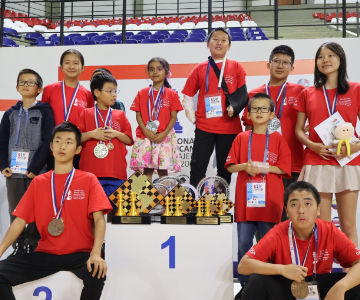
x,y
177,217
132,217
178,210
199,213
222,201
167,210
221,209
207,218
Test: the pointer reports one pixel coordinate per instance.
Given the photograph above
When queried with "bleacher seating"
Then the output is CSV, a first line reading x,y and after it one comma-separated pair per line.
x,y
331,17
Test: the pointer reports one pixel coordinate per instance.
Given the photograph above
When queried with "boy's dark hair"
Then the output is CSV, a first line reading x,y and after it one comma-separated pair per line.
x,y
219,29
72,51
320,78
166,67
39,80
68,127
262,96
301,186
101,71
283,49
98,81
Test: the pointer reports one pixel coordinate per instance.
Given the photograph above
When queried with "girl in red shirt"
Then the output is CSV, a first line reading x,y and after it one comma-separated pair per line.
x,y
156,108
331,93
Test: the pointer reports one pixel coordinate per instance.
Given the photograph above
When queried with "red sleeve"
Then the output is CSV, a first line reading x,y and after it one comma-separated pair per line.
x,y
344,249
25,208
81,122
45,95
284,161
265,249
175,102
300,105
125,127
241,76
234,153
97,198
192,83
135,106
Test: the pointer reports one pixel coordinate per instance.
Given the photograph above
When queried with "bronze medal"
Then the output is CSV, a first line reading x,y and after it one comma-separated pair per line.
x,y
300,290
56,227
110,146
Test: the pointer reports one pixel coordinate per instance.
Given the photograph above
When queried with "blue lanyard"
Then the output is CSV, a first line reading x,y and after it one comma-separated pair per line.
x,y
154,113
266,145
283,92
18,124
67,109
332,109
69,178
220,78
108,119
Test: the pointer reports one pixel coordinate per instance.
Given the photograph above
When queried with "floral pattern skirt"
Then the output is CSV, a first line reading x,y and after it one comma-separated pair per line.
x,y
163,156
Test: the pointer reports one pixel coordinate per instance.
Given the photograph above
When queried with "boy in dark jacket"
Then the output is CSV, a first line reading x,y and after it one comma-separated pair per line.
x,y
25,134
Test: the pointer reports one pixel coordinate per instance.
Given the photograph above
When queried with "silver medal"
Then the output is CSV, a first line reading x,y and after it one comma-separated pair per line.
x,y
101,151
273,125
152,125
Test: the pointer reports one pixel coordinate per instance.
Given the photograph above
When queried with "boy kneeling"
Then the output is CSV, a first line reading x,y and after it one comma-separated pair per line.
x,y
299,253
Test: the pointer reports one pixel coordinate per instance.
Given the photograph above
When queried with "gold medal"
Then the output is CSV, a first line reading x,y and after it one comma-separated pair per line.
x,y
300,290
56,227
110,146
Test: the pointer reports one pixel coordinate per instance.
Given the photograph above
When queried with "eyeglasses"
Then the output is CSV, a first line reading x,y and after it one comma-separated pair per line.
x,y
278,63
27,82
262,109
113,92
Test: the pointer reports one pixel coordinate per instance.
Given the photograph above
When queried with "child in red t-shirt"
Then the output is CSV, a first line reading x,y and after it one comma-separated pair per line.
x,y
260,159
68,98
106,133
156,109
332,93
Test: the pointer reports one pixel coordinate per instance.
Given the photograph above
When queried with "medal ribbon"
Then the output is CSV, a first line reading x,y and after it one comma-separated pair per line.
x,y
67,109
220,77
283,92
295,258
67,184
108,118
154,113
330,109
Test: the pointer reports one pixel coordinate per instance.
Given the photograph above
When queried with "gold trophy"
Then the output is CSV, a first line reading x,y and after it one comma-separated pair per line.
x,y
133,212
120,211
207,208
167,209
199,214
221,210
178,211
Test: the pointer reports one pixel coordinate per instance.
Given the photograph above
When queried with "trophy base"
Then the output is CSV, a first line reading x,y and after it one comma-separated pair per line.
x,y
207,220
176,220
227,218
131,220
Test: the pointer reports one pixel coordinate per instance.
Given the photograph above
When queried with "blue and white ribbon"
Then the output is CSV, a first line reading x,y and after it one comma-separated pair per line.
x,y
67,109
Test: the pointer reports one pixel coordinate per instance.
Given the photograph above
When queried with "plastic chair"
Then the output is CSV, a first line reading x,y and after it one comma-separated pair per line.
x,y
137,37
107,42
90,35
150,41
116,38
238,38
172,40
45,43
87,42
9,43
129,41
193,39
108,34
77,39
99,38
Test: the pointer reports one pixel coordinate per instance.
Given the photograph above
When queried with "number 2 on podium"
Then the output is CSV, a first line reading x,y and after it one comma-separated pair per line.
x,y
171,244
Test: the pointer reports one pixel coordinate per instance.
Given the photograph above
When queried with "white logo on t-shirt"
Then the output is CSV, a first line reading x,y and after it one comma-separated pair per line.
x,y
69,195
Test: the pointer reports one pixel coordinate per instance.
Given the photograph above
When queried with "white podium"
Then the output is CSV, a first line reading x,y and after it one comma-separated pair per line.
x,y
153,262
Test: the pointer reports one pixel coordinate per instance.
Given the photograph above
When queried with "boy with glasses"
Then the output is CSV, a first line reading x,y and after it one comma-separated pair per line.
x,y
25,134
105,135
261,159
285,95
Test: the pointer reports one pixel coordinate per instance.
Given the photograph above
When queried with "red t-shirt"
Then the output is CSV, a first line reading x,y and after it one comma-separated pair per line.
x,y
288,119
332,244
278,155
114,164
52,94
170,102
84,197
312,103
234,76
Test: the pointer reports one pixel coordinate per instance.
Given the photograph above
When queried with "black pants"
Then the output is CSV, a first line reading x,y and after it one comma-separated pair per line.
x,y
262,287
24,268
204,144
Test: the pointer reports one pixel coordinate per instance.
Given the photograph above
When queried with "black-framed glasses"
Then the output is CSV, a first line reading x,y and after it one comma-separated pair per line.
x,y
278,63
263,109
27,82
113,92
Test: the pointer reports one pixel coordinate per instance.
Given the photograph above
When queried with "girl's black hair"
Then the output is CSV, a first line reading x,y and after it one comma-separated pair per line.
x,y
165,65
320,78
72,51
